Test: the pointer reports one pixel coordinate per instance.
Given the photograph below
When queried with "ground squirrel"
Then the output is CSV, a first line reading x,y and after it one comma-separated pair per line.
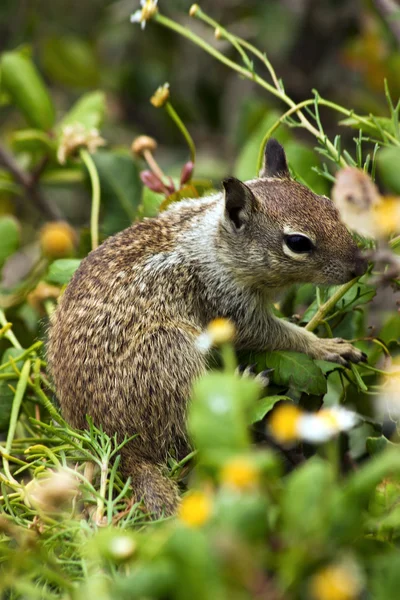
x,y
122,342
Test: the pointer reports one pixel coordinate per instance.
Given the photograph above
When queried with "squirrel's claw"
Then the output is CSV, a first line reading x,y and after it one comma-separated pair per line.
x,y
339,351
250,371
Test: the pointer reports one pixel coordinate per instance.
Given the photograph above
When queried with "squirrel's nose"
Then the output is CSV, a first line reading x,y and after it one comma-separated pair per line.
x,y
360,267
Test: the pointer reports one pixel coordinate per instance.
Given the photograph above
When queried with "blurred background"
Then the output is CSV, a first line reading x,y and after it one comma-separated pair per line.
x,y
343,49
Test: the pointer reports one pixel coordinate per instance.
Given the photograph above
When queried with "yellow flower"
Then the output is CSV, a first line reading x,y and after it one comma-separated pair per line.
x,y
160,96
336,582
195,509
288,423
219,331
144,14
57,239
284,423
240,473
387,215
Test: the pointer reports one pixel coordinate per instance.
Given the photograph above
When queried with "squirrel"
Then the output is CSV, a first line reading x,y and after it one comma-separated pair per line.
x,y
122,341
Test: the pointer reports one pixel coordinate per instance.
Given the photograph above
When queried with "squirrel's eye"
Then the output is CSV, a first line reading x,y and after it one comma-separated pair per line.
x,y
300,244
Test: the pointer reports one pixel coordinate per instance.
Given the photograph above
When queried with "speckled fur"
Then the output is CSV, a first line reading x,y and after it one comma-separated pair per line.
x,y
122,340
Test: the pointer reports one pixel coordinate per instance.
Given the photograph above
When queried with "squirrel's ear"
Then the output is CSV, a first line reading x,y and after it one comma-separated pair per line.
x,y
239,201
275,164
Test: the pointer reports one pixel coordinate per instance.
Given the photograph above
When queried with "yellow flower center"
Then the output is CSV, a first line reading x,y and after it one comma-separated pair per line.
x,y
387,215
329,418
221,331
284,421
335,583
195,509
148,10
240,473
160,96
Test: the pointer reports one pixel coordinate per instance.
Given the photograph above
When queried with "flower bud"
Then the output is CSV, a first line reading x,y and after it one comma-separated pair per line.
x,y
187,171
193,9
160,96
57,239
122,548
53,492
143,143
151,181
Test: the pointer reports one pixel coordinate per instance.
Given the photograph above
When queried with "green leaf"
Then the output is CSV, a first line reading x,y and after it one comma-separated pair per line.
x,y
388,160
32,140
6,393
219,412
378,444
246,164
151,202
61,270
296,370
360,293
306,500
301,161
71,61
88,111
385,123
121,189
9,238
23,82
263,406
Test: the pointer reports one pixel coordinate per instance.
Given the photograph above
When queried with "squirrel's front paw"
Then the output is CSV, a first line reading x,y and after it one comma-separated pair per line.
x,y
339,351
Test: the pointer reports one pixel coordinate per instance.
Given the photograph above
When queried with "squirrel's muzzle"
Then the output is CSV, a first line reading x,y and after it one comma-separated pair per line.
x,y
360,266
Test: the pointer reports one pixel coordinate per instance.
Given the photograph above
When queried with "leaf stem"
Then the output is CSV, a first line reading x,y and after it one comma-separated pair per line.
x,y
178,121
329,304
19,394
95,182
9,334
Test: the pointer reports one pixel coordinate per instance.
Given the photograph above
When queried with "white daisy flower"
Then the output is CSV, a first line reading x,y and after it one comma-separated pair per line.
x,y
144,14
325,424
289,424
219,331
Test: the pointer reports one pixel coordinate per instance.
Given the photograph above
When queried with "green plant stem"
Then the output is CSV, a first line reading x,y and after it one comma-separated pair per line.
x,y
181,126
9,334
95,182
329,304
162,20
21,356
19,394
102,491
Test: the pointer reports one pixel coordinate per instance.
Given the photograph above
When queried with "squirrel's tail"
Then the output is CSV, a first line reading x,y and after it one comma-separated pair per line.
x,y
158,493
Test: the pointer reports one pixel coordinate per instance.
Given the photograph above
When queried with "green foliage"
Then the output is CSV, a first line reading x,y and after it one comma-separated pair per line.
x,y
9,238
121,189
89,111
388,160
296,370
255,521
70,61
61,270
27,90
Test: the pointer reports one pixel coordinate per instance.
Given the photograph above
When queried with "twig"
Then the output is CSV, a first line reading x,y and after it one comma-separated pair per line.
x,y
329,304
29,182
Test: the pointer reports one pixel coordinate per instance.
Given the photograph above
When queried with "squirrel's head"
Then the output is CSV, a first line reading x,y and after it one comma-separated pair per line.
x,y
276,230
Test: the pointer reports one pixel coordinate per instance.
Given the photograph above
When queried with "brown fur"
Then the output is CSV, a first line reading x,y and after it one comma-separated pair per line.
x,y
122,343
